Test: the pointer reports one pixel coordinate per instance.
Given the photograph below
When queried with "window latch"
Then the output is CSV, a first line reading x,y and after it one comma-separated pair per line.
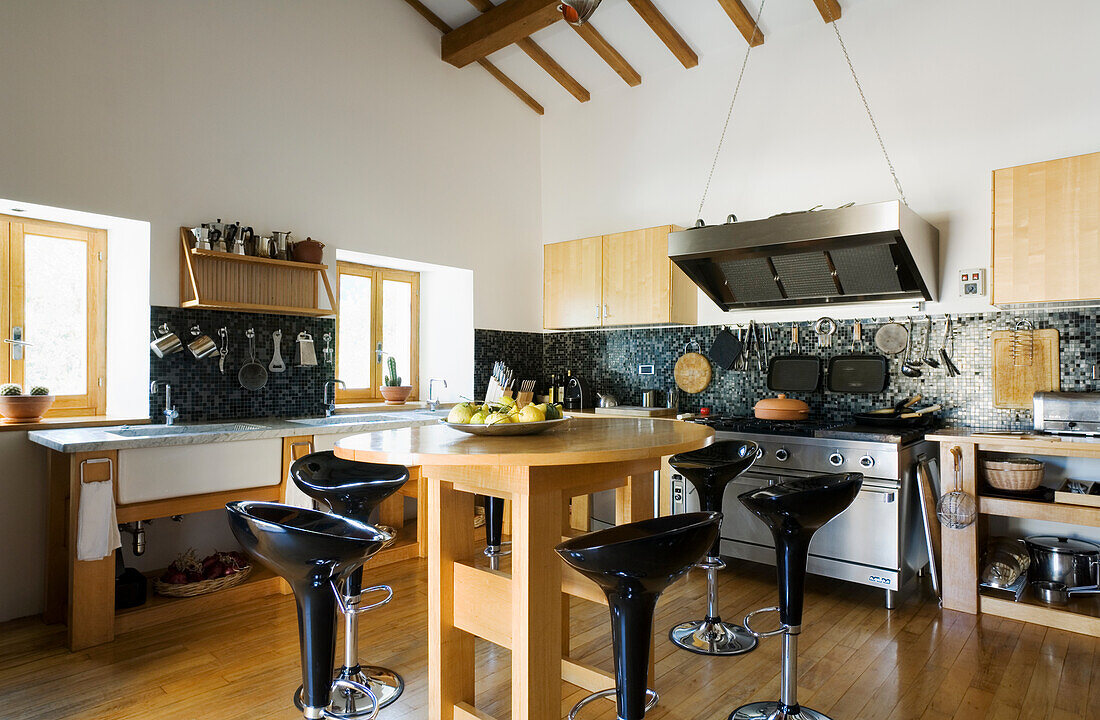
x,y
378,353
17,343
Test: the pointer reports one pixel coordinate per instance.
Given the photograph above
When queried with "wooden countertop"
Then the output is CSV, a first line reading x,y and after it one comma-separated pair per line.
x,y
1022,442
594,440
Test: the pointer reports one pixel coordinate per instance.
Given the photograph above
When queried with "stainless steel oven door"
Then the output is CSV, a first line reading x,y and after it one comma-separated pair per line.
x,y
866,533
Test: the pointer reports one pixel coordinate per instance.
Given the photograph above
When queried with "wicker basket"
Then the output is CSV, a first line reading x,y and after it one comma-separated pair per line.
x,y
202,587
1013,474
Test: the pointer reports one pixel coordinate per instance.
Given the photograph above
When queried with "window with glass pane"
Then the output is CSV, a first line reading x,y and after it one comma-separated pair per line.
x,y
379,308
55,278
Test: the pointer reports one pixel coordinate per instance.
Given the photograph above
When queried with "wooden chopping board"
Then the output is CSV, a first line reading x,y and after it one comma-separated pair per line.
x,y
1016,380
636,411
692,372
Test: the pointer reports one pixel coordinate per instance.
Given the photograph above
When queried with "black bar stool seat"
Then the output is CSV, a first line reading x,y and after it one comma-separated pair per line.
x,y
633,564
793,511
312,551
710,470
354,490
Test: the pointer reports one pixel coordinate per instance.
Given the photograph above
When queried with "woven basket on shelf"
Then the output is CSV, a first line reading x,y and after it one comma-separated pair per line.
x,y
1013,474
202,587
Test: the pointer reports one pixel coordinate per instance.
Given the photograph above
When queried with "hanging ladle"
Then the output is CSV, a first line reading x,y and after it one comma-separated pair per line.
x,y
928,359
910,368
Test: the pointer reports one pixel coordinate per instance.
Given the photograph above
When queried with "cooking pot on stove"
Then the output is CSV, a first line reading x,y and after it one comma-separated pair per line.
x,y
1076,563
781,408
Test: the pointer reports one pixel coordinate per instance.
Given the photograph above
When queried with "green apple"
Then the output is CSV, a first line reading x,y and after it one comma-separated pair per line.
x,y
461,413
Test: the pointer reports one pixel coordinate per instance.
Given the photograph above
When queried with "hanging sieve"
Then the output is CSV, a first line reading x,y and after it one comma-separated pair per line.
x,y
957,509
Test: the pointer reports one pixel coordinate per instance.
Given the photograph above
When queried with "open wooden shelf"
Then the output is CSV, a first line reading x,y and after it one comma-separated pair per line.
x,y
1034,510
158,608
1081,615
224,281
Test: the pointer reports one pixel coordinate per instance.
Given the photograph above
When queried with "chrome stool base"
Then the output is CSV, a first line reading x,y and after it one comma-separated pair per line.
x,y
710,637
652,694
498,550
385,685
346,694
771,710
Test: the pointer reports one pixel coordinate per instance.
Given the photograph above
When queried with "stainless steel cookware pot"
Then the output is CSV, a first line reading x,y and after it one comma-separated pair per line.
x,y
1075,563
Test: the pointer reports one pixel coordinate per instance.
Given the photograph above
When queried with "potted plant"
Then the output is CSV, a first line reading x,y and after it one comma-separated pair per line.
x,y
392,390
19,408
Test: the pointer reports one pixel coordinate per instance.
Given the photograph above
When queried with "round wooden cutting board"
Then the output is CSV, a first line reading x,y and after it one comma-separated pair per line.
x,y
692,372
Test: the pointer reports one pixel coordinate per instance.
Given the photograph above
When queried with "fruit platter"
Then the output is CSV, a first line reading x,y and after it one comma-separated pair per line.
x,y
188,576
504,418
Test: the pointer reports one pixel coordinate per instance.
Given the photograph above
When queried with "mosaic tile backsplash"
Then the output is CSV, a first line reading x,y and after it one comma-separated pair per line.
x,y
201,392
609,360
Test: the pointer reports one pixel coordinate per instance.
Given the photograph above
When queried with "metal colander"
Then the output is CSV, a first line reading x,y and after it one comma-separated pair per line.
x,y
957,509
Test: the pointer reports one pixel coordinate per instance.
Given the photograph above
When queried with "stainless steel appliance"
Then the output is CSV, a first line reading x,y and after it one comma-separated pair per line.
x,y
1066,413
860,253
875,542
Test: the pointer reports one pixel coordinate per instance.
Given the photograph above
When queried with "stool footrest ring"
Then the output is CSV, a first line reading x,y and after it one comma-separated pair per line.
x,y
498,550
342,684
780,631
650,704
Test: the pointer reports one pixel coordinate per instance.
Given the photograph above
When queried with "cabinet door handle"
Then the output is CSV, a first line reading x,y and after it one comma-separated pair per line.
x,y
606,311
597,312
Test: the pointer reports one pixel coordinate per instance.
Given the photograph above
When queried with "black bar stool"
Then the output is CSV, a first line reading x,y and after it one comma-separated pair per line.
x,y
313,551
495,548
353,489
709,470
793,511
633,564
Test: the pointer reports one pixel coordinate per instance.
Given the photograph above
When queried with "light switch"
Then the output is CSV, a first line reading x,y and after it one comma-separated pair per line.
x,y
972,282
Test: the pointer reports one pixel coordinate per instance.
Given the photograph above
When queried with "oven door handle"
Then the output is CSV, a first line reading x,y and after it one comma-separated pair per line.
x,y
888,496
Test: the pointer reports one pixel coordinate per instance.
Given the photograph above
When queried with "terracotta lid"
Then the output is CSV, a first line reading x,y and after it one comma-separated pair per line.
x,y
782,402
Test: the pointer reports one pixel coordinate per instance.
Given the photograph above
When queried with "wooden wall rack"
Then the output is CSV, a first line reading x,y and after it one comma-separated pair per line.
x,y
224,281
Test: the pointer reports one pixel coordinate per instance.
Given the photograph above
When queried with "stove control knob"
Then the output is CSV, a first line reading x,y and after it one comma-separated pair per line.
x,y
759,453
782,454
867,461
836,459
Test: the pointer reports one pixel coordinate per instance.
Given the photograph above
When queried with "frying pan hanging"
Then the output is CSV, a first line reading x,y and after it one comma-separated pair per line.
x,y
252,374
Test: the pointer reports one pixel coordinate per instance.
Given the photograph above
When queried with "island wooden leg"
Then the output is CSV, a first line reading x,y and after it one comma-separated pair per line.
x,y
536,606
450,650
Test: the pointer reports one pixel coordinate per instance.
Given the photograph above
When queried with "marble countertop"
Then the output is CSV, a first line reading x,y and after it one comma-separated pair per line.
x,y
123,437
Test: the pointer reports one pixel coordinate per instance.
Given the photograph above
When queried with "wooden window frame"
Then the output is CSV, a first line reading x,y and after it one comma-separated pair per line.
x,y
378,275
12,233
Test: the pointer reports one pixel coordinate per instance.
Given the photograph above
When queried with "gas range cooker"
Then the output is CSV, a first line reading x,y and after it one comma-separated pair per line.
x,y
810,429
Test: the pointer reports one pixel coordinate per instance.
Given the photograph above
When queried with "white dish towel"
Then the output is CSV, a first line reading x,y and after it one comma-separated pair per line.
x,y
295,496
97,529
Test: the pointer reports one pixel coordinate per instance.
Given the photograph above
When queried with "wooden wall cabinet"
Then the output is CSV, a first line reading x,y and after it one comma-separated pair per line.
x,y
611,280
1046,232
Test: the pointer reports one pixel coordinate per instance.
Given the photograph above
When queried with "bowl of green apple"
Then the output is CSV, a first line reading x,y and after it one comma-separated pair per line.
x,y
504,418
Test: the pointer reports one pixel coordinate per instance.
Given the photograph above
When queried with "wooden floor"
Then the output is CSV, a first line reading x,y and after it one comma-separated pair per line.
x,y
858,661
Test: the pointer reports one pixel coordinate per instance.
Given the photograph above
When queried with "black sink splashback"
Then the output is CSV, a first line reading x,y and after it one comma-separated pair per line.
x,y
202,393
609,360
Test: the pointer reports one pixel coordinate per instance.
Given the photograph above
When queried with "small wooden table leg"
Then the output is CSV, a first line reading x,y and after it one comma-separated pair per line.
x,y
91,601
536,605
450,650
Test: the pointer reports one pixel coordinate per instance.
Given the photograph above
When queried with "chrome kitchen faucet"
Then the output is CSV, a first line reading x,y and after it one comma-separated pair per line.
x,y
170,413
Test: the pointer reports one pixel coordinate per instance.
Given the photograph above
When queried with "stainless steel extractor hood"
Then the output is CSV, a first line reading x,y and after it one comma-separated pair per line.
x,y
862,253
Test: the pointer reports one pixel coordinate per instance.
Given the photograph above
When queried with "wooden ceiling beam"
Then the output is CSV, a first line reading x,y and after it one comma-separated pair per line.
x,y
543,60
664,30
609,54
744,21
438,24
504,25
829,9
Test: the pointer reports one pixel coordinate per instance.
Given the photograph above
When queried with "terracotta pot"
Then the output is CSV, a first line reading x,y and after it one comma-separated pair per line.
x,y
24,408
308,250
396,394
781,408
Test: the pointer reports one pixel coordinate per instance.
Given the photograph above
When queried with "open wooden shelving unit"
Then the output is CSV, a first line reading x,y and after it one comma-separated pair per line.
x,y
224,281
961,549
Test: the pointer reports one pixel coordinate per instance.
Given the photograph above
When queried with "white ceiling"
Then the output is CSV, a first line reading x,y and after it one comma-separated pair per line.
x,y
702,23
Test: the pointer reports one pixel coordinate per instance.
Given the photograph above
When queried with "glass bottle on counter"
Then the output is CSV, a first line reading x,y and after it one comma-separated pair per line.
x,y
553,388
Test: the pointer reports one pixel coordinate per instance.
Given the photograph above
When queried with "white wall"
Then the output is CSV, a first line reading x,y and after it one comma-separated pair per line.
x,y
958,90
332,118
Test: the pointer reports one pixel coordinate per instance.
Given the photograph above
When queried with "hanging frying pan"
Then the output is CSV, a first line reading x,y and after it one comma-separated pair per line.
x,y
692,371
252,374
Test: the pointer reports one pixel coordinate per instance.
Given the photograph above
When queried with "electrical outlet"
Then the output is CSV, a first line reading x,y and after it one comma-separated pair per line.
x,y
645,370
972,282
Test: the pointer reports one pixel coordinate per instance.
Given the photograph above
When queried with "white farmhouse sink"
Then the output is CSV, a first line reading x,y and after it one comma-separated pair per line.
x,y
156,473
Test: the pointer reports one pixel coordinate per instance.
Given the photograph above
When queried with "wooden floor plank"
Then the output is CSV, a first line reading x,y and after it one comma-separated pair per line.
x,y
857,660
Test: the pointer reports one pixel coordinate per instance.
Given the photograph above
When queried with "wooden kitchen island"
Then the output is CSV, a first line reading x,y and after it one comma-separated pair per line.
x,y
524,610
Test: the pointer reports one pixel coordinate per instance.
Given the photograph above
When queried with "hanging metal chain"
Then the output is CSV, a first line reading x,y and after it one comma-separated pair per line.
x,y
729,113
866,105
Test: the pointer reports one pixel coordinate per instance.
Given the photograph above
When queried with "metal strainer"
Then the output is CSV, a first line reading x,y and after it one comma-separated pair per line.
x,y
958,508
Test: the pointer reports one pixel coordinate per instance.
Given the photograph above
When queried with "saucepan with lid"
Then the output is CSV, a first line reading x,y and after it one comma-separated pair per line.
x,y
1074,563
